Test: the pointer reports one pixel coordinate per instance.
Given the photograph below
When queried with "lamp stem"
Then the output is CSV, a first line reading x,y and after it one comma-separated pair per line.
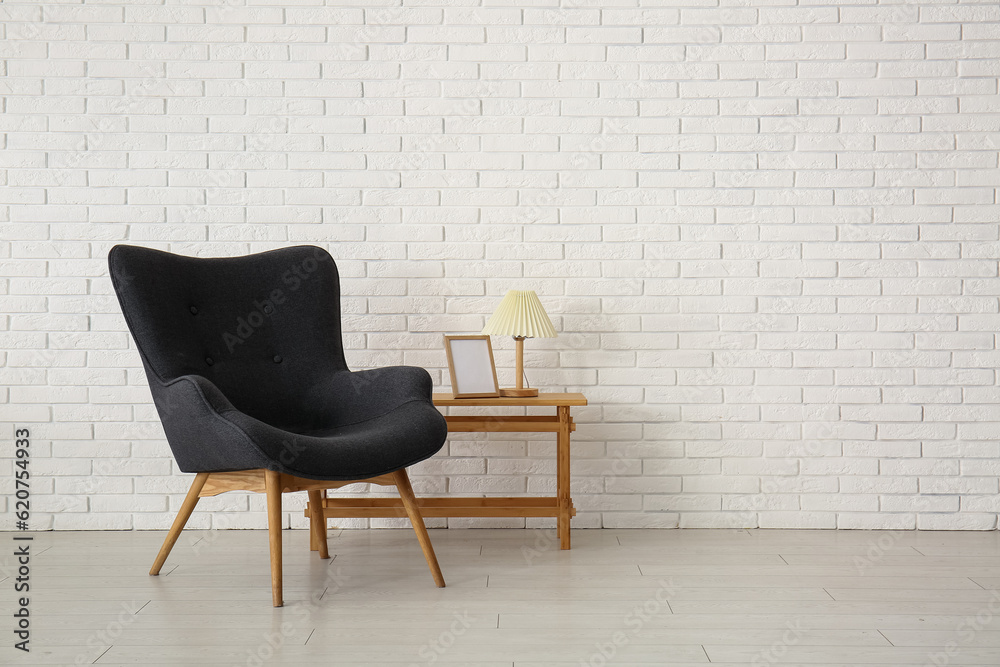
x,y
519,391
519,363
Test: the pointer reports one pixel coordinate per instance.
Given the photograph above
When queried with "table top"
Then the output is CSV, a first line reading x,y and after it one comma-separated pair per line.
x,y
550,399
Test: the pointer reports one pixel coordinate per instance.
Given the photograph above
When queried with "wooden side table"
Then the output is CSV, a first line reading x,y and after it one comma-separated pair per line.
x,y
559,506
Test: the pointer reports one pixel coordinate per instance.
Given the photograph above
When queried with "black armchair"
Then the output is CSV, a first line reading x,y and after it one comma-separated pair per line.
x,y
245,362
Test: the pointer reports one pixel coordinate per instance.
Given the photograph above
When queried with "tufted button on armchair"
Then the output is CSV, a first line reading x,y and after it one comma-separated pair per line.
x,y
245,363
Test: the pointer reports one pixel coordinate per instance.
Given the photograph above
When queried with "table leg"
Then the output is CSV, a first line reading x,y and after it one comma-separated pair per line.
x,y
562,475
313,541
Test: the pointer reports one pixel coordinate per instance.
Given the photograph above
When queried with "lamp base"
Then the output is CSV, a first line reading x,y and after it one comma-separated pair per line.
x,y
518,393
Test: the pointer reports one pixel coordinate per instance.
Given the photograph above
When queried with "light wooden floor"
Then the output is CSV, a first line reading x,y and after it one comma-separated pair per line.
x,y
642,597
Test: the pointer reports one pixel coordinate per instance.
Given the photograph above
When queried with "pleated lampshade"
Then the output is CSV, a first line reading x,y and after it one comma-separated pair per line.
x,y
520,313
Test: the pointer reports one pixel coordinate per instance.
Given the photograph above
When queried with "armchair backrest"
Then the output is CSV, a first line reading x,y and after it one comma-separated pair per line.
x,y
264,328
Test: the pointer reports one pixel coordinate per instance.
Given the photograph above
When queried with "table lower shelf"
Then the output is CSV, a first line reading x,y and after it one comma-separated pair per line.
x,y
354,508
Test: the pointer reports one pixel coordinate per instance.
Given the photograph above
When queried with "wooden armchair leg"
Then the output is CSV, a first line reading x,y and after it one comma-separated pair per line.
x,y
317,524
413,511
272,486
183,514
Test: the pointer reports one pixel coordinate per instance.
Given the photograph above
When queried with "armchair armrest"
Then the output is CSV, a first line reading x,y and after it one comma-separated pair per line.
x,y
355,396
191,409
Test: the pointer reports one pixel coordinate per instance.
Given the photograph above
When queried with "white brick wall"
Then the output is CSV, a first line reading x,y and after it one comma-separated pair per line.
x,y
767,233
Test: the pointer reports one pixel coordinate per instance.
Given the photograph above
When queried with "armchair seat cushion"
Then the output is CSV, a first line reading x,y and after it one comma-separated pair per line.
x,y
407,434
362,424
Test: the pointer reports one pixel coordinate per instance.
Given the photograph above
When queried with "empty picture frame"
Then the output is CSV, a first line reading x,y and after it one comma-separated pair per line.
x,y
470,362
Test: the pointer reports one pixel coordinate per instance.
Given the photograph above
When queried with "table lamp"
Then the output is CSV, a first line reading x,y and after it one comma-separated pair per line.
x,y
520,315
